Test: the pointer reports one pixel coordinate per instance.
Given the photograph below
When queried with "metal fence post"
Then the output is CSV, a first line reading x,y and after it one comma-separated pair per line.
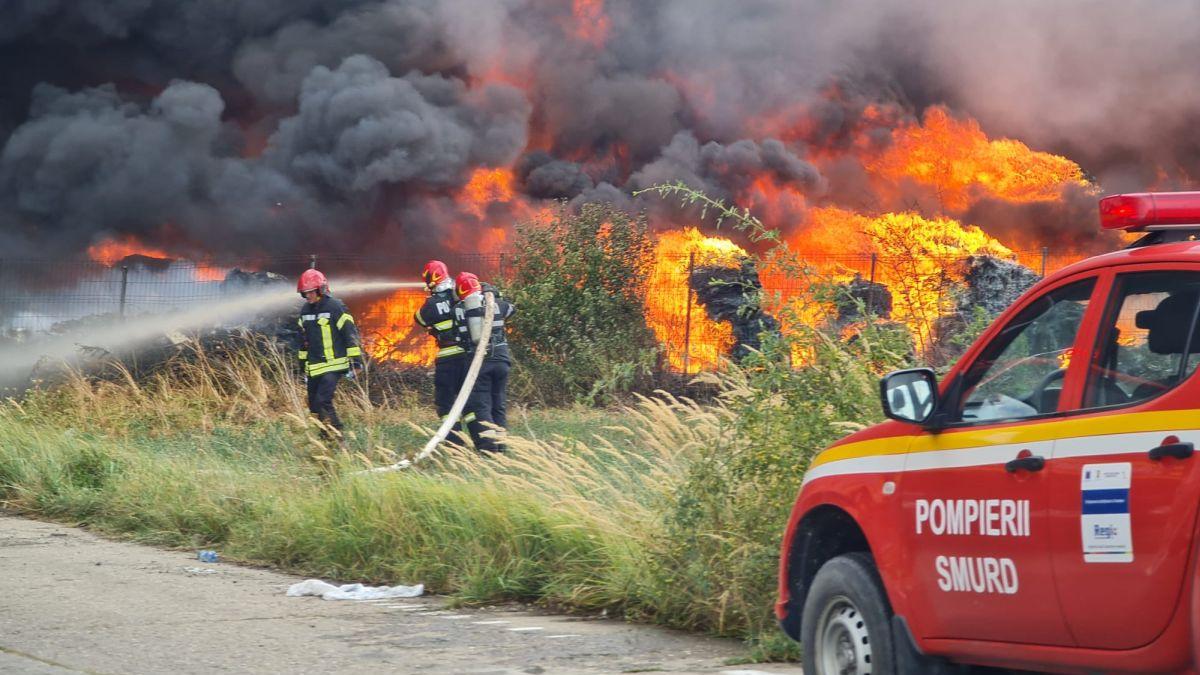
x,y
687,326
1045,255
872,268
500,274
124,287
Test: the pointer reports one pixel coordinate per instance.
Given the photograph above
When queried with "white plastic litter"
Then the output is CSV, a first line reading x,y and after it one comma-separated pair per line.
x,y
328,591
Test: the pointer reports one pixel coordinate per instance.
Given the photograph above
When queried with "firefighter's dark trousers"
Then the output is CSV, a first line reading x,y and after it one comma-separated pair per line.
x,y
489,404
448,376
320,397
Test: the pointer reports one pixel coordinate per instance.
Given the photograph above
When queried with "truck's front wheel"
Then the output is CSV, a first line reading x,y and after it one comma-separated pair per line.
x,y
846,625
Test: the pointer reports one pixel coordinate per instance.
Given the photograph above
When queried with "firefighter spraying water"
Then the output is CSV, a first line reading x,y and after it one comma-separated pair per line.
x,y
466,318
437,317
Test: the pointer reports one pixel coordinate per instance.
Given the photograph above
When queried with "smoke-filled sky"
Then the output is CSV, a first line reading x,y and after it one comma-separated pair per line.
x,y
274,127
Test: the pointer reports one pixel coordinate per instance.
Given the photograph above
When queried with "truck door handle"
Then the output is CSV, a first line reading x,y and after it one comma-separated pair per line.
x,y
1029,463
1176,450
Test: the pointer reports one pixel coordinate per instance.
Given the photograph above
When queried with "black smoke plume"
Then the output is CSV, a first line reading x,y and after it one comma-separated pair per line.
x,y
228,130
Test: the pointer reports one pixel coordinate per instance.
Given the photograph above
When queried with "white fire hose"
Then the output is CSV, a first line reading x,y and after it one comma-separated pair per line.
x,y
463,394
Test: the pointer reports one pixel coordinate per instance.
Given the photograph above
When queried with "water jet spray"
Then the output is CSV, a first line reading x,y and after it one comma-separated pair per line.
x,y
17,360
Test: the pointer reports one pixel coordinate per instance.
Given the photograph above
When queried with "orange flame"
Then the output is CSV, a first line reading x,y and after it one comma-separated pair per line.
x,y
699,343
206,272
916,257
390,334
959,160
111,251
491,196
487,186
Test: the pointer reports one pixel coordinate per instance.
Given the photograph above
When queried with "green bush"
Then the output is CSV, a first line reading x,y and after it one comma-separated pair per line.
x,y
578,281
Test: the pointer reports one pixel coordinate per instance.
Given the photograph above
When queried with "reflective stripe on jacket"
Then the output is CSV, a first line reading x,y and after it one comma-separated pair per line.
x,y
329,338
437,317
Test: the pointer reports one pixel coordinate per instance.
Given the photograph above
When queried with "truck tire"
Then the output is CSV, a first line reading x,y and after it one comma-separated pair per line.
x,y
846,625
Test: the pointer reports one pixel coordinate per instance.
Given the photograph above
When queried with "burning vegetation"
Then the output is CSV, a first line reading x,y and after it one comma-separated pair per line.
x,y
693,341
923,264
378,133
699,286
389,333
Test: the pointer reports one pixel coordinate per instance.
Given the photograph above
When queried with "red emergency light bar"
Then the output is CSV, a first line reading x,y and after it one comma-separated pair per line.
x,y
1148,211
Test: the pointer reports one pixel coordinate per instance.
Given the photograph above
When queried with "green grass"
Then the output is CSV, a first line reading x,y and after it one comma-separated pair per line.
x,y
664,511
481,529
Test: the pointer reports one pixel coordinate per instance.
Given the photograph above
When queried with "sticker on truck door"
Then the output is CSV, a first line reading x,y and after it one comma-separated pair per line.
x,y
1104,519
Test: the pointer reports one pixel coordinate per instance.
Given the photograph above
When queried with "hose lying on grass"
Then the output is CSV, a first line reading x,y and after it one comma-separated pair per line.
x,y
463,394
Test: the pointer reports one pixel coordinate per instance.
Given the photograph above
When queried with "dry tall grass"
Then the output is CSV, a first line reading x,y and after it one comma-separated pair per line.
x,y
219,452
666,510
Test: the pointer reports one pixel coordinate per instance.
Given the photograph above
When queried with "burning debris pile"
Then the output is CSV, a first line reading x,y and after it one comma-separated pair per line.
x,y
227,134
858,303
992,284
860,298
732,295
390,334
983,288
692,340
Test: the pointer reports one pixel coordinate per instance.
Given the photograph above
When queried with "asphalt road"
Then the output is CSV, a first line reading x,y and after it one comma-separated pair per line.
x,y
73,602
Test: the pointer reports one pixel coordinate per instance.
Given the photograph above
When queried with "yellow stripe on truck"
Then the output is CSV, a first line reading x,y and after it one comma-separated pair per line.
x,y
1052,430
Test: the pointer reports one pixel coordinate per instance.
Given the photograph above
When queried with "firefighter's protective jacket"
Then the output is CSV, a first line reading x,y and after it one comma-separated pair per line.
x,y
329,338
437,317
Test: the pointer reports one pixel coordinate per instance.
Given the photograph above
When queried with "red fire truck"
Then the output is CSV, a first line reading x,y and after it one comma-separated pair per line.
x,y
1037,508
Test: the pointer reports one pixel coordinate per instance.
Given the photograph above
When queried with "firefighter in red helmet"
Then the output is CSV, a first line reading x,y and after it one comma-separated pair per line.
x,y
437,317
488,403
330,347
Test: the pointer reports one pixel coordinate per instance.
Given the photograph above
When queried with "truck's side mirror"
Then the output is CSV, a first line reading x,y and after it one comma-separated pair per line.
x,y
909,395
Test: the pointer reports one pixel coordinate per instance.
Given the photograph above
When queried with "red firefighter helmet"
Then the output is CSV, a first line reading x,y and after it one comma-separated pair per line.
x,y
312,280
466,284
435,272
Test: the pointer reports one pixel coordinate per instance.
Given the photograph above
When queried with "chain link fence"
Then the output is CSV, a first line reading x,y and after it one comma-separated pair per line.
x,y
56,296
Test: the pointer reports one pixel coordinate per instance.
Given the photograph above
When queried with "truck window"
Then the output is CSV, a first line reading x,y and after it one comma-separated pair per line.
x,y
1020,373
1143,347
